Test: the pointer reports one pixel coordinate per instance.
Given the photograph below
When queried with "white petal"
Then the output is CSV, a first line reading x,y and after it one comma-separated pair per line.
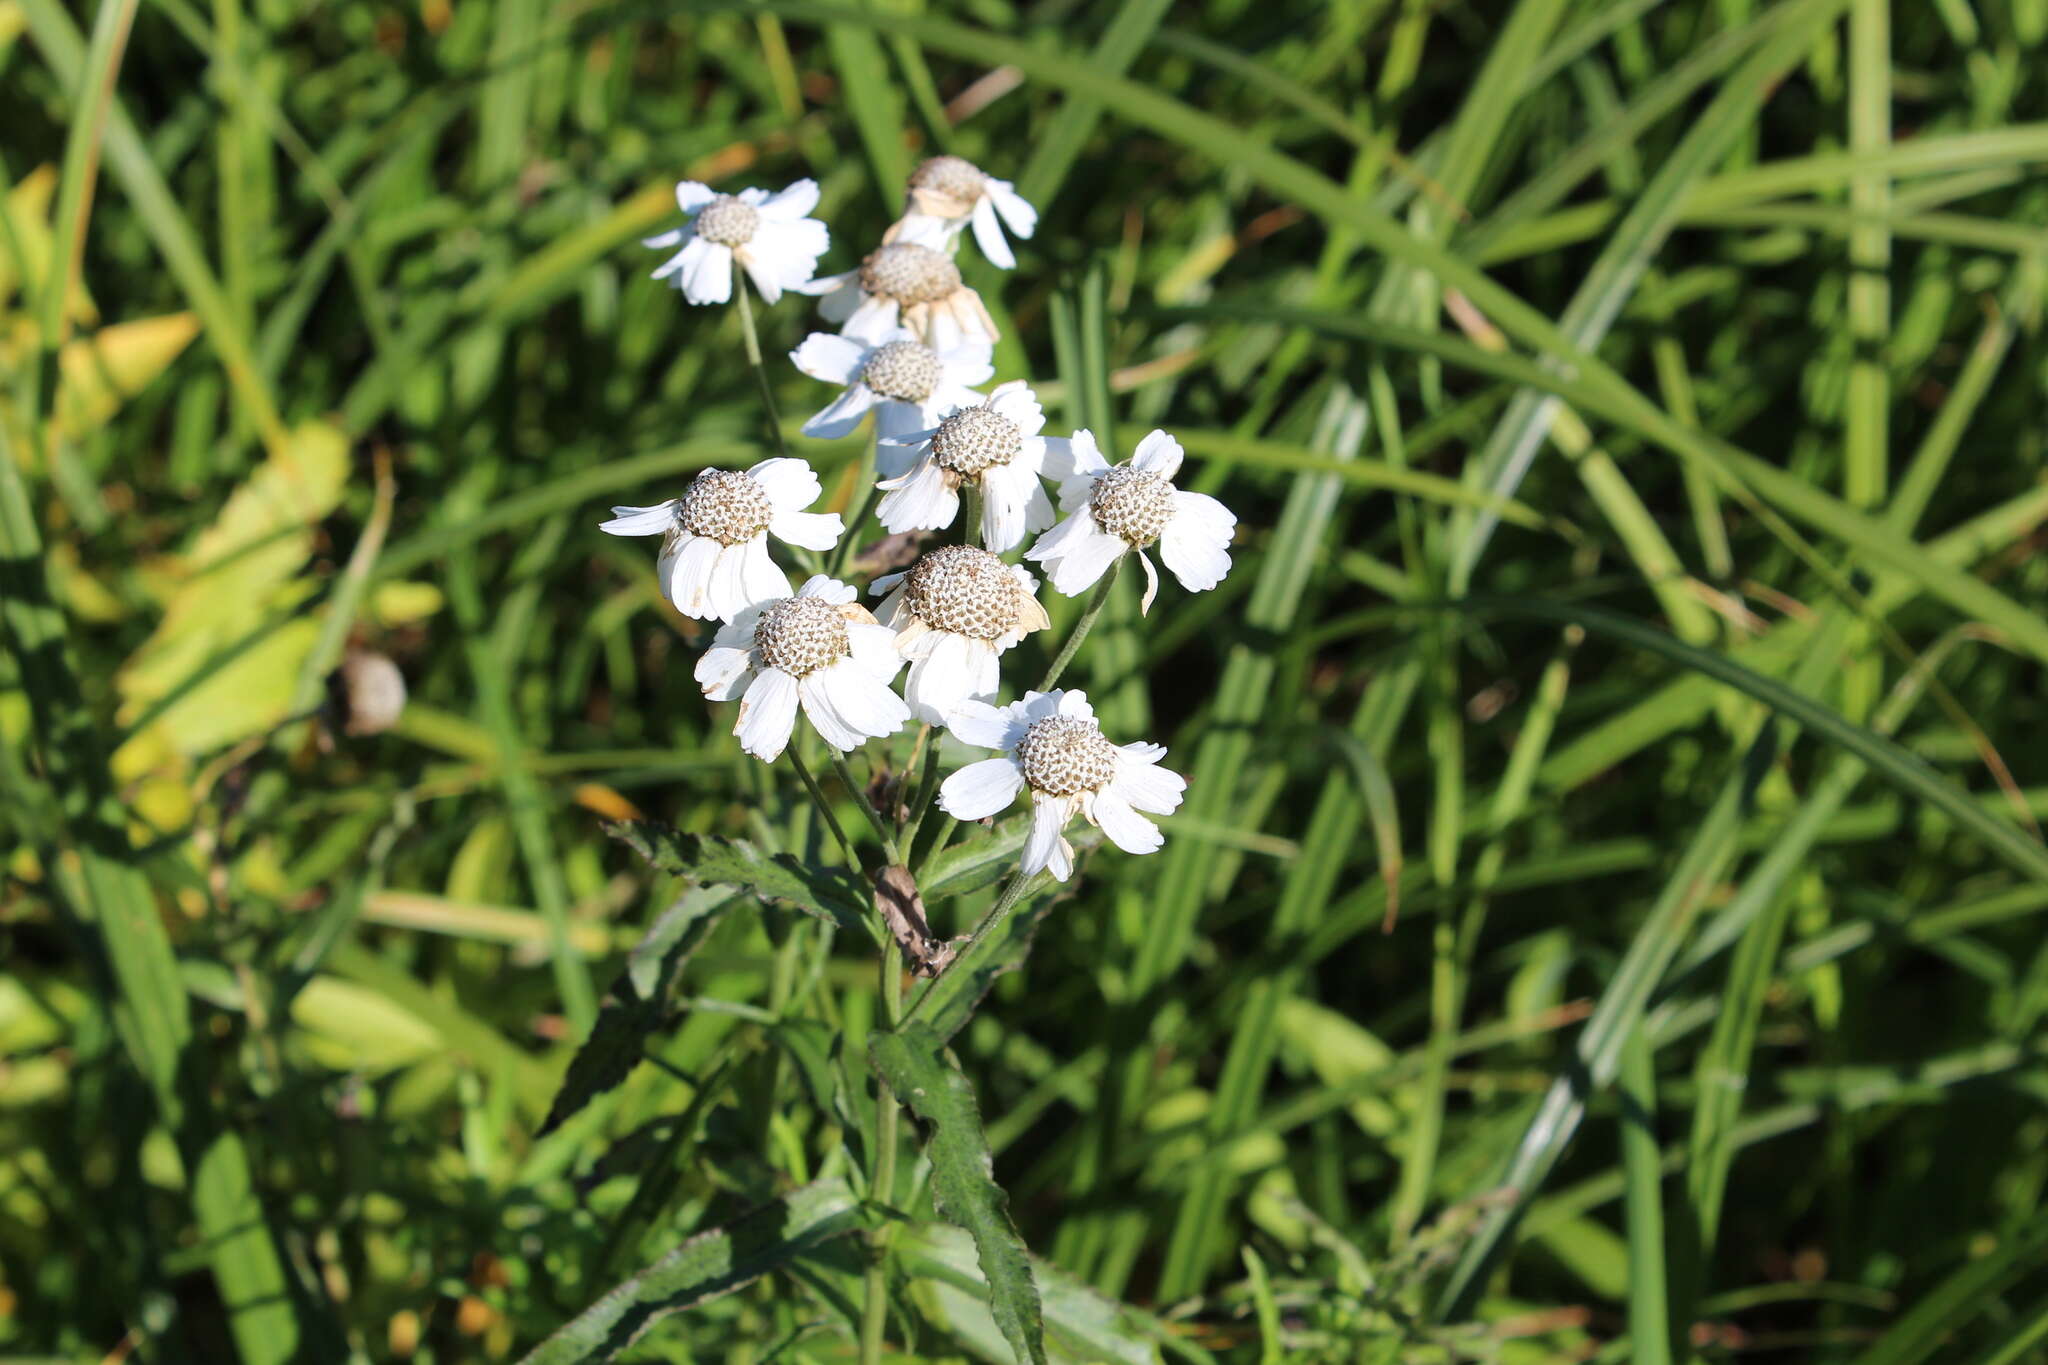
x,y
989,233
819,705
1159,454
834,359
1017,212
1151,584
692,195
873,319
790,484
1083,559
812,530
1037,706
865,708
918,501
688,575
1020,405
979,724
825,586
1195,543
967,364
783,255
1078,457
1142,782
952,669
738,633
673,237
981,789
707,277
762,580
895,423
1074,702
925,229
874,648
722,673
1002,508
728,591
1124,827
641,521
1057,542
767,714
795,201
840,416
1043,845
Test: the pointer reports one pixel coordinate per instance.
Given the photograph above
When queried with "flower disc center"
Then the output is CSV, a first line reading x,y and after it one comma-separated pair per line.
x,y
727,506
910,274
974,439
800,635
964,590
949,175
1133,505
1066,755
906,371
728,221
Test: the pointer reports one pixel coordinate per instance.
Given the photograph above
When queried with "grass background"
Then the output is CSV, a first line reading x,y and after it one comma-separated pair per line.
x,y
1604,924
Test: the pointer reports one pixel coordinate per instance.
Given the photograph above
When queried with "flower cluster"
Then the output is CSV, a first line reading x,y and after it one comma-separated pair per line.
x,y
913,345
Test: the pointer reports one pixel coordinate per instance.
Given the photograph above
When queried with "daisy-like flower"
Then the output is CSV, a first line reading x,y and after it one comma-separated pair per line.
x,y
955,611
910,285
820,649
1051,745
908,384
947,193
994,444
714,551
1111,510
767,234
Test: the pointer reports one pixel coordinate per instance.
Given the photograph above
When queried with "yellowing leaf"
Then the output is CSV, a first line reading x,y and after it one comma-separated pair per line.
x,y
228,646
401,604
27,208
353,1028
96,375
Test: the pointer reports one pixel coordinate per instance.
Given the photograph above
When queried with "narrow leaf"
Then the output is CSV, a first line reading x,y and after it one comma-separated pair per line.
x,y
912,1063
829,893
638,1004
706,1266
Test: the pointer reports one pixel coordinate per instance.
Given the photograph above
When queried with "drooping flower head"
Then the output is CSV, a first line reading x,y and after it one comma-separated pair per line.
x,y
955,612
714,550
819,649
947,193
1111,510
768,235
994,445
1052,746
910,285
908,384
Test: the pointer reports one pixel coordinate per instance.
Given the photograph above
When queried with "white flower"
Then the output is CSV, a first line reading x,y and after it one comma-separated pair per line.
x,y
768,234
820,648
909,285
1111,510
955,611
1052,745
908,384
947,193
714,552
994,444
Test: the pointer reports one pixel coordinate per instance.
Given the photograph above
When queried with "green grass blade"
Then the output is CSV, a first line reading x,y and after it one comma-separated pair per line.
x,y
1929,1325
1130,27
1650,1327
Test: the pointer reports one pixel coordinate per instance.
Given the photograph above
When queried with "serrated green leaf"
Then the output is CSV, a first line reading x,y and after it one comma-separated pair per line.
x,y
829,893
913,1064
639,1003
1080,1324
706,1266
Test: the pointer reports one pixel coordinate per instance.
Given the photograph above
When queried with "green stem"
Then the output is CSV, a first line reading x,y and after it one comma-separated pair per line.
x,y
867,807
1013,893
857,512
882,1187
740,287
970,521
1096,601
824,807
927,783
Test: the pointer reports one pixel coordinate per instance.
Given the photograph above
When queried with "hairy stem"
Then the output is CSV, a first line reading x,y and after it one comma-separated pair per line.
x,y
1096,601
824,807
867,807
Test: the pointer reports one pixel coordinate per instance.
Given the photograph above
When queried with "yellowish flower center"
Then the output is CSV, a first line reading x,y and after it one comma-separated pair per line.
x,y
965,590
1066,755
727,506
801,634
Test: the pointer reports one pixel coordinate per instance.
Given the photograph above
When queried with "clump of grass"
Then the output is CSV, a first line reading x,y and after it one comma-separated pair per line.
x,y
1602,922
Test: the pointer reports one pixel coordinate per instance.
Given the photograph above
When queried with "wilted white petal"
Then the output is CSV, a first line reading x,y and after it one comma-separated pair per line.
x,y
688,576
722,673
